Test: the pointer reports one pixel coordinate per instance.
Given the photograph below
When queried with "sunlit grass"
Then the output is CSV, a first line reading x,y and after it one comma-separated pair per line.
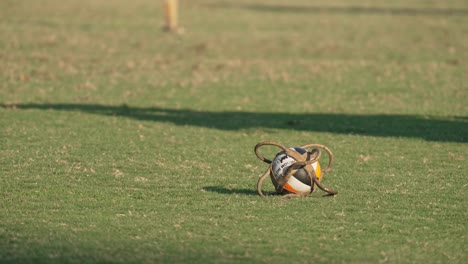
x,y
122,143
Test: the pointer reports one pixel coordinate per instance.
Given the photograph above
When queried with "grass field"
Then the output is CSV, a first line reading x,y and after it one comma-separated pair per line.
x,y
121,143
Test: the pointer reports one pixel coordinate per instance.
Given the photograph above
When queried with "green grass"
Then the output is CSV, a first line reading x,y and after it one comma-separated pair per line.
x,y
121,143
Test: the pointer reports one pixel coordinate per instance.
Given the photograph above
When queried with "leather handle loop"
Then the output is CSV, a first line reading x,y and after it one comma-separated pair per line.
x,y
264,143
316,181
260,182
331,158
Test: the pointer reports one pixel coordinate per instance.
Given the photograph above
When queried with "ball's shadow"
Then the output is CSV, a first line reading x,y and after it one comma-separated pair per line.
x,y
232,191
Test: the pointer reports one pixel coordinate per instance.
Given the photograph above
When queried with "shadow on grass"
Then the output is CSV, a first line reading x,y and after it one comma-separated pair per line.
x,y
443,129
347,10
224,190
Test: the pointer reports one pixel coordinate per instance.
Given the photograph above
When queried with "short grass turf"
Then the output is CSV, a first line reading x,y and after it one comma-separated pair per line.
x,y
122,143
